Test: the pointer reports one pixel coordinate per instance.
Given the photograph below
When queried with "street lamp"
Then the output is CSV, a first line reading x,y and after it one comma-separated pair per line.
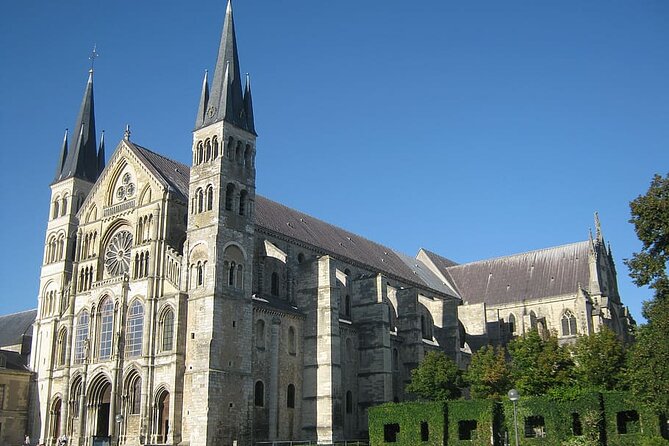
x,y
119,420
514,396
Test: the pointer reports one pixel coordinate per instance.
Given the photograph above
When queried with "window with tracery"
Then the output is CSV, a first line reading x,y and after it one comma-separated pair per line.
x,y
167,323
81,337
117,255
106,328
568,324
134,329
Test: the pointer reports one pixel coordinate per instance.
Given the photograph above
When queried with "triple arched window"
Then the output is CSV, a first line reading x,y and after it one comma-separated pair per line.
x,y
206,151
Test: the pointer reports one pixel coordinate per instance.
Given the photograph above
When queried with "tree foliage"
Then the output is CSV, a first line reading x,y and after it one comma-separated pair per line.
x,y
488,373
437,378
648,360
599,360
650,217
539,364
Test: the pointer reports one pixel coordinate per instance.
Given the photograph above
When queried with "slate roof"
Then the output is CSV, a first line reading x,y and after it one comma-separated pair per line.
x,y
172,173
14,326
279,219
529,275
14,361
275,303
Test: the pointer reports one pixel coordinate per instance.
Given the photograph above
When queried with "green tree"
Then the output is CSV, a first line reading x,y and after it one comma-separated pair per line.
x,y
599,360
538,365
437,378
648,359
650,217
488,373
648,367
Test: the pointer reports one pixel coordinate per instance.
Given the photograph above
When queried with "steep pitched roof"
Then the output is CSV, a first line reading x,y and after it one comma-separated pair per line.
x,y
173,174
14,326
529,275
279,219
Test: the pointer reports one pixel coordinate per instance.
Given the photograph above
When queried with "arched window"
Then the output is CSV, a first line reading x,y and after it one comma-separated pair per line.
x,y
259,394
260,333
56,208
349,402
533,320
229,196
239,156
134,393
275,284
106,328
231,274
512,323
63,208
242,201
347,306
61,348
229,148
81,337
134,329
55,418
162,409
568,324
210,197
248,157
426,327
167,323
207,150
290,396
239,284
300,258
292,342
214,143
200,200
75,395
200,274
200,153
396,359
349,350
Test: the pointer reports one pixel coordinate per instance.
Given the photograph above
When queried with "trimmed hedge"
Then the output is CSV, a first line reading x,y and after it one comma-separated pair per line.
x,y
410,418
560,417
485,422
485,413
634,432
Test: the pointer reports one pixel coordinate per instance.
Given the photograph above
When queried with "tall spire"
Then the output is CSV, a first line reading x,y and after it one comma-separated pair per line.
x,y
226,103
248,106
62,158
101,154
204,99
82,160
598,229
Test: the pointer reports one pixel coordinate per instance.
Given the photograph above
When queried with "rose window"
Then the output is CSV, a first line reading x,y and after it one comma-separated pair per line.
x,y
126,189
117,256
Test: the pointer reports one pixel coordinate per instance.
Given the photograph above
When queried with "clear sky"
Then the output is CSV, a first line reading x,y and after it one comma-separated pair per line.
x,y
472,128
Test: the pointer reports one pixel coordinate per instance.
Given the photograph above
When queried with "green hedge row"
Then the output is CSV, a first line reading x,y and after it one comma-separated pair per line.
x,y
605,419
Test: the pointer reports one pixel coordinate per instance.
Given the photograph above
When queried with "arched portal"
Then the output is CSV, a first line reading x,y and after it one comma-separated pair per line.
x,y
162,416
99,404
56,407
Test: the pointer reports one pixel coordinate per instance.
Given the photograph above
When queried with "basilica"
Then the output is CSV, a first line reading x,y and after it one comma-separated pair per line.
x,y
178,307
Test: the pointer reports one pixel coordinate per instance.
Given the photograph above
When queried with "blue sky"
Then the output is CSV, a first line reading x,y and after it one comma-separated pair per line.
x,y
474,129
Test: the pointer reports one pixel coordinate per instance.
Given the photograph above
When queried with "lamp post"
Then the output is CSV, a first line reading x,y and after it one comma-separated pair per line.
x,y
119,420
514,396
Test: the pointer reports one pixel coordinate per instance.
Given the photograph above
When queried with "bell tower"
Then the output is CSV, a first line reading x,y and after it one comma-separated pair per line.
x,y
79,166
218,256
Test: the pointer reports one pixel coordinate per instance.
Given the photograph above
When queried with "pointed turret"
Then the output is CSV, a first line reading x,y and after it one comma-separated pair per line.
x,y
248,106
101,154
225,103
598,229
62,158
82,159
204,100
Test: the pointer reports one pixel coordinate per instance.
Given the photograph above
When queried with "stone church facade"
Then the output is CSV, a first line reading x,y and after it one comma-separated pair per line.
x,y
176,306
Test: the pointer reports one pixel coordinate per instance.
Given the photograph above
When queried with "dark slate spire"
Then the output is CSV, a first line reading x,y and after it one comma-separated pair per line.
x,y
101,154
225,101
204,100
63,157
82,159
248,106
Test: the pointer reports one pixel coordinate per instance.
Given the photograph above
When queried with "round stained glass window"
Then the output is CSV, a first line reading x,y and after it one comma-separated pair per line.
x,y
117,256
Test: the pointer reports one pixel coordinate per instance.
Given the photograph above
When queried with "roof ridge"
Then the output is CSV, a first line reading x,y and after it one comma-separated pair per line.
x,y
550,248
146,149
18,312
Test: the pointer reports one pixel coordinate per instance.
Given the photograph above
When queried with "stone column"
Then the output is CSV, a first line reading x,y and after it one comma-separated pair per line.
x,y
273,393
